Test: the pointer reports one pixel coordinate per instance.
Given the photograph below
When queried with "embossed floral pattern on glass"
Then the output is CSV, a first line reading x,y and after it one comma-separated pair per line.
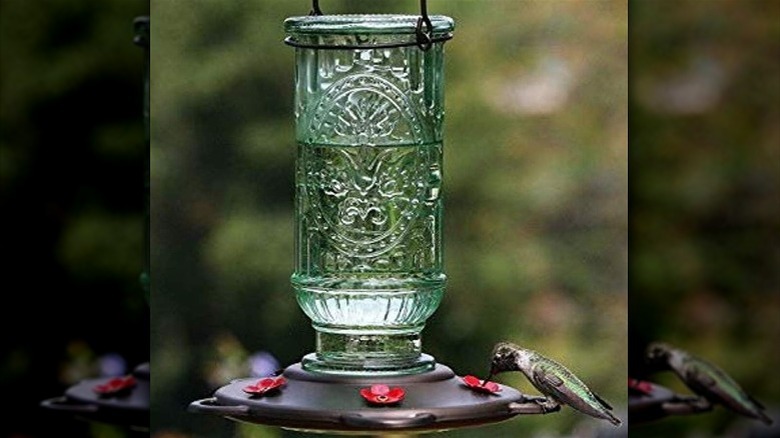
x,y
368,203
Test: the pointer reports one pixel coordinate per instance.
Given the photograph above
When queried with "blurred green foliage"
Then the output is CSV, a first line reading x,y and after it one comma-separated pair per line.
x,y
705,194
535,182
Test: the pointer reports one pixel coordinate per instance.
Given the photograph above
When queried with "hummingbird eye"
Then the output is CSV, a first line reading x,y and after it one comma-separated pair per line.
x,y
656,352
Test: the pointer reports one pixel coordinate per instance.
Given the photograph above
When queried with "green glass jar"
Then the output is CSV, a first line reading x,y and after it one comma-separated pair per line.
x,y
369,107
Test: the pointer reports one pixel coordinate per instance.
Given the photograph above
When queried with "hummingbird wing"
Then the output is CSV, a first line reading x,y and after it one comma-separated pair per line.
x,y
756,402
556,381
602,401
710,381
551,379
700,378
548,383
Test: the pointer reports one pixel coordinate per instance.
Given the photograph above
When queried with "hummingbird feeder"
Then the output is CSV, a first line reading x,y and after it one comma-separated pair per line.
x,y
123,401
369,107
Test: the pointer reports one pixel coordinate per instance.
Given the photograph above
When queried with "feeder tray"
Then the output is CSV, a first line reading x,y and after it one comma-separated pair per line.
x,y
130,409
659,402
435,400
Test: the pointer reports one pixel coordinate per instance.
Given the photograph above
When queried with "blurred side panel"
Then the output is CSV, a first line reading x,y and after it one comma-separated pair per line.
x,y
705,197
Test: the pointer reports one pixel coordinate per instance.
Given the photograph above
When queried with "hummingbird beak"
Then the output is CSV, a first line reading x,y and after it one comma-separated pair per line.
x,y
493,372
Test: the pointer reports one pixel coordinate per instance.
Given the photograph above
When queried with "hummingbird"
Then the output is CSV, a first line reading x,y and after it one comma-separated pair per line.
x,y
706,380
552,379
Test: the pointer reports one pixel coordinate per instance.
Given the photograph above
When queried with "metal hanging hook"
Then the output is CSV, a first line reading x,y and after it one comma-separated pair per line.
x,y
424,37
315,8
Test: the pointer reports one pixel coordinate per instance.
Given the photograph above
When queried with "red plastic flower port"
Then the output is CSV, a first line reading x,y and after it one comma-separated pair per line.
x,y
115,386
265,385
475,384
382,394
641,386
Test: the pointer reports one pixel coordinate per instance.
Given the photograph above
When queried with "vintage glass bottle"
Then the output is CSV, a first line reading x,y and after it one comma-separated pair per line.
x,y
368,268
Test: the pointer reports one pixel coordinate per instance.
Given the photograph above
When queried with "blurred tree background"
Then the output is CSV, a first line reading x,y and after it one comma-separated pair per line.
x,y
705,196
535,182
71,180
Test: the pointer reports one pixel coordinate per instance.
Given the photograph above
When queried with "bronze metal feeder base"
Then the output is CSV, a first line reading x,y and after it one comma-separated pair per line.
x,y
435,400
130,410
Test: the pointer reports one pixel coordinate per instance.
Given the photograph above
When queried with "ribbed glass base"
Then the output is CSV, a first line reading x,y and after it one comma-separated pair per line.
x,y
368,354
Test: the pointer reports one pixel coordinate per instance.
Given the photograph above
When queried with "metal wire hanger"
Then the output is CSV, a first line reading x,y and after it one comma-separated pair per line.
x,y
423,31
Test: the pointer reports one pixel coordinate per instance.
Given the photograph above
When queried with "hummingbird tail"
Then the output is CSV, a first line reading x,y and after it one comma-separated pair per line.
x,y
764,418
613,419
